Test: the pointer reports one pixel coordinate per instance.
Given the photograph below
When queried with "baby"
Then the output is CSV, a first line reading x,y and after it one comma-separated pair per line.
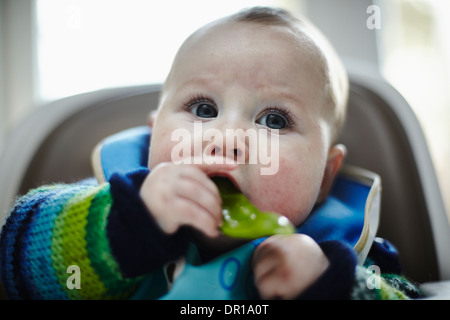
x,y
260,70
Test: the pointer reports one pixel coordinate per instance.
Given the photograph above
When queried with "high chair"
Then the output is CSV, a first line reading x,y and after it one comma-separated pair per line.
x,y
386,149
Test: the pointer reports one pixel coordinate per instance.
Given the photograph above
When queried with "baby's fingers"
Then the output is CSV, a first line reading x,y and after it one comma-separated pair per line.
x,y
196,216
200,195
265,261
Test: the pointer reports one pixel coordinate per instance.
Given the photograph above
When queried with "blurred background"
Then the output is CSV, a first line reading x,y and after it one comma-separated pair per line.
x,y
50,49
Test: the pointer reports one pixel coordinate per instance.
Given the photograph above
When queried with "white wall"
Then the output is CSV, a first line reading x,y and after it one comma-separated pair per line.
x,y
344,23
2,79
17,62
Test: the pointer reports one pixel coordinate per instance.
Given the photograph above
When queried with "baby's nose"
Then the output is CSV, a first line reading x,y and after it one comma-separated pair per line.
x,y
232,153
231,145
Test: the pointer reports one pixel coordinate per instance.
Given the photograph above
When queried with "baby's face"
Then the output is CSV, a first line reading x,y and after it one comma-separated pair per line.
x,y
261,79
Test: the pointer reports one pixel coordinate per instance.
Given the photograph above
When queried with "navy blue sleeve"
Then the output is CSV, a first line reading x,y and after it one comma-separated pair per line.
x,y
137,242
336,283
385,255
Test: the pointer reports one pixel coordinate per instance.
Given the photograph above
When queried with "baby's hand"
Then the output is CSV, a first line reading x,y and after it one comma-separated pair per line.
x,y
179,195
284,266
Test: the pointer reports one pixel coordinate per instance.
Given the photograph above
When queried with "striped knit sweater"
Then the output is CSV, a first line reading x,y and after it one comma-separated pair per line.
x,y
106,231
54,227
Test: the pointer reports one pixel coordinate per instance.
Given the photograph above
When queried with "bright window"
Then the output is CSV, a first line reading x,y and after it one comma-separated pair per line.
x,y
416,55
85,45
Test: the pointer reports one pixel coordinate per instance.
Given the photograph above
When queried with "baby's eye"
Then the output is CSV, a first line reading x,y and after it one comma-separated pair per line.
x,y
275,119
204,110
202,107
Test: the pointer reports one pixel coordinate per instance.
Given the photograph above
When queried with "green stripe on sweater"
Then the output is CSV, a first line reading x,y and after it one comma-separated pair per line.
x,y
69,247
99,250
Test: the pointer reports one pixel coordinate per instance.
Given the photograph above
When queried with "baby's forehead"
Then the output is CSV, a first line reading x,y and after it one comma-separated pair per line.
x,y
250,38
297,34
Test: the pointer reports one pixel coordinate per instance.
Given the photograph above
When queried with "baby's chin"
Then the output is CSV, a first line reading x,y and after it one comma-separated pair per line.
x,y
217,245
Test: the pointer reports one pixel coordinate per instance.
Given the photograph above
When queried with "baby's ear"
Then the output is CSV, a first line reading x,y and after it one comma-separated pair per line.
x,y
152,118
335,159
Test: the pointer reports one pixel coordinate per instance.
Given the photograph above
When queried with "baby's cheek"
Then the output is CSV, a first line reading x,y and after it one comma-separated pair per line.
x,y
161,151
287,193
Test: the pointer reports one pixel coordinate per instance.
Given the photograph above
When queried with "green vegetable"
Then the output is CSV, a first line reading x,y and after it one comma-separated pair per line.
x,y
243,220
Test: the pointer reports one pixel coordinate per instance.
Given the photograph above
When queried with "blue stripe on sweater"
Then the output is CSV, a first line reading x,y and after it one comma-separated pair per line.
x,y
41,278
12,242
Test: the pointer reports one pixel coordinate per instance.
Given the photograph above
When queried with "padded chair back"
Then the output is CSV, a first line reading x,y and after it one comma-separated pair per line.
x,y
55,144
383,135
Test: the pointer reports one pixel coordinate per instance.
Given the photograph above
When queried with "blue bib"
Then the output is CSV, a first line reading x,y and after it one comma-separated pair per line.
x,y
349,214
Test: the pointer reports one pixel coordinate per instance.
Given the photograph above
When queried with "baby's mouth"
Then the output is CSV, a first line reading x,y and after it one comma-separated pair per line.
x,y
241,219
225,184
